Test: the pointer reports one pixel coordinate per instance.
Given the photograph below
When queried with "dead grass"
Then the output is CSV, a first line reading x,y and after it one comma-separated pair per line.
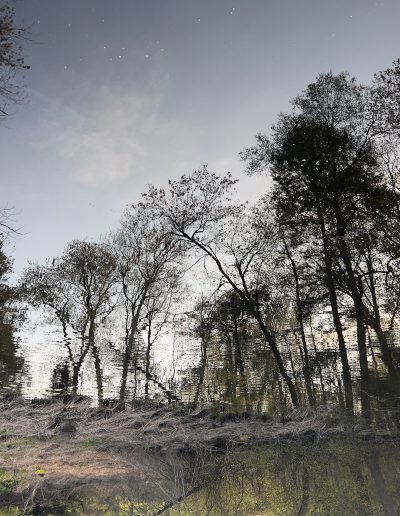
x,y
56,449
80,425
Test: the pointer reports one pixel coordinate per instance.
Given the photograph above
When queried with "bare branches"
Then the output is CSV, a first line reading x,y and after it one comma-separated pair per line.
x,y
12,62
7,223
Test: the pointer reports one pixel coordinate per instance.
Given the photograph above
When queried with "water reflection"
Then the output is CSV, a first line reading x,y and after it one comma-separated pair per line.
x,y
209,358
12,368
336,478
339,477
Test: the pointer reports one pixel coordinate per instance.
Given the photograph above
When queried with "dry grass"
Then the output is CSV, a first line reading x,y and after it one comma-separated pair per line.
x,y
62,448
158,427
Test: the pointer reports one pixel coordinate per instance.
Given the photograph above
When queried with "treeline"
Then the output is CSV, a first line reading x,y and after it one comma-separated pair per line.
x,y
322,244
11,365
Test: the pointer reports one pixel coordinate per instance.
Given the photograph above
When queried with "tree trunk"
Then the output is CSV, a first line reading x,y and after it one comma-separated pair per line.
x,y
321,380
76,366
348,389
128,350
148,350
240,362
97,363
99,374
203,363
279,361
75,377
356,294
376,325
363,358
347,384
300,319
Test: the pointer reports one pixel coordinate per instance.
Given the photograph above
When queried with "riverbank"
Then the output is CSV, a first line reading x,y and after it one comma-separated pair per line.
x,y
50,451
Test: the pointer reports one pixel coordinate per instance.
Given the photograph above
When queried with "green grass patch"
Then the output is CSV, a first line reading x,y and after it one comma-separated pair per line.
x,y
9,510
7,482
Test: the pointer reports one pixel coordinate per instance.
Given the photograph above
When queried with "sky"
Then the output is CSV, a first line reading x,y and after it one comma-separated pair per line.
x,y
124,93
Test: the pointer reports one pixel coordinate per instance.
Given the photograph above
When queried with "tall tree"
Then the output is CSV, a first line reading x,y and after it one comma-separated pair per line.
x,y
323,160
200,213
149,267
79,290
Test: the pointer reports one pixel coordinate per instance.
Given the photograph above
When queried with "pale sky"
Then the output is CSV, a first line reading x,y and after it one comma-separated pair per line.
x,y
124,93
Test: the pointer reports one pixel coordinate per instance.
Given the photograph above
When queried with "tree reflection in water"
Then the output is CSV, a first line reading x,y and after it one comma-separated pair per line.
x,y
337,477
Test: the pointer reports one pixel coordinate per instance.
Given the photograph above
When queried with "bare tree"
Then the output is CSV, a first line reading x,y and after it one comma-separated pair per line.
x,y
149,266
200,213
79,290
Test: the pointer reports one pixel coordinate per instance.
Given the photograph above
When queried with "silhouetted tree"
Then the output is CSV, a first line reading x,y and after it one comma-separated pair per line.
x,y
79,289
323,160
149,267
200,213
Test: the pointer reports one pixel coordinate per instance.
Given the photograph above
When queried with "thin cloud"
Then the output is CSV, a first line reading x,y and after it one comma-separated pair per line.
x,y
116,138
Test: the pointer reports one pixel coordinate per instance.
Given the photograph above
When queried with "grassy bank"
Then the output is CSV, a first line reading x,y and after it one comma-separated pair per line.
x,y
52,451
